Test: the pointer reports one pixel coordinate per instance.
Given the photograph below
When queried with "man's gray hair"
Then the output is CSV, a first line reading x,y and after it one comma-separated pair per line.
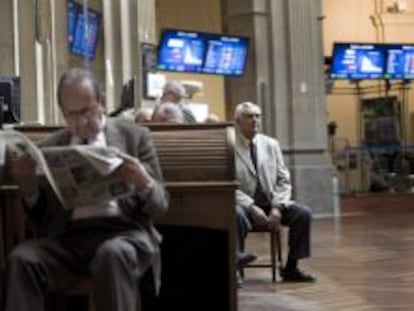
x,y
242,108
75,76
175,87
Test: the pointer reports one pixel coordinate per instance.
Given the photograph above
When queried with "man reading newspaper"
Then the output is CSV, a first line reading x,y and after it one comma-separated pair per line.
x,y
112,240
80,175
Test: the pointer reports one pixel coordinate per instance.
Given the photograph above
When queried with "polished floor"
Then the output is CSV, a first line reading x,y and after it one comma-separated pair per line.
x,y
363,261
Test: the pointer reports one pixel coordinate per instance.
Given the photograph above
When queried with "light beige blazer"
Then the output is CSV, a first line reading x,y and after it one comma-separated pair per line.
x,y
272,172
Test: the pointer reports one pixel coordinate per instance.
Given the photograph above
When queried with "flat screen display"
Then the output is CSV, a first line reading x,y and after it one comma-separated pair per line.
x,y
85,31
358,61
226,55
72,15
181,51
201,52
400,62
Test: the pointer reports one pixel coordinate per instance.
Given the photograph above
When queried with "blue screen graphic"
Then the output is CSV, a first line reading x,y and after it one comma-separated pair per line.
x,y
400,62
226,55
199,52
356,61
85,32
181,51
72,14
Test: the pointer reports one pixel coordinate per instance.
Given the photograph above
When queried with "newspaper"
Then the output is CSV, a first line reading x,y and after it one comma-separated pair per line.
x,y
80,175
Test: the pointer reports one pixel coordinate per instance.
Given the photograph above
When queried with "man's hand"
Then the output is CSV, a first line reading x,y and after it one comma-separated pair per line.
x,y
258,215
132,171
274,218
23,172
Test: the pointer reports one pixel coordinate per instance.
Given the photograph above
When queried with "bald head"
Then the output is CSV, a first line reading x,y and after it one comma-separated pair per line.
x,y
143,115
168,112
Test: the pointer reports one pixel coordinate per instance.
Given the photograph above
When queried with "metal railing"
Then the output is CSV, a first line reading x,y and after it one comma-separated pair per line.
x,y
379,168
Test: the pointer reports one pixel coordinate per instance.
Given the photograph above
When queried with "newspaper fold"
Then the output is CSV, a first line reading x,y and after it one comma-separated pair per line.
x,y
80,175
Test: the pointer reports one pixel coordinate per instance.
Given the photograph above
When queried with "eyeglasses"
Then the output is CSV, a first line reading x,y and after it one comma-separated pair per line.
x,y
85,113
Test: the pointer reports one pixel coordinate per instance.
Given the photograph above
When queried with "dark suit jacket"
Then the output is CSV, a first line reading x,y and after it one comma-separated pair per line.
x,y
49,217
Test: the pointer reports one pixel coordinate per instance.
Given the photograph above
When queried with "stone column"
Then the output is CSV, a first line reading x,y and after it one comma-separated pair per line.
x,y
7,59
25,35
26,24
305,133
127,24
285,77
146,34
113,57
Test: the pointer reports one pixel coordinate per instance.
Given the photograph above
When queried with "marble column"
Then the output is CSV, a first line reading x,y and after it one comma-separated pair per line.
x,y
7,59
127,24
113,56
285,77
25,21
146,34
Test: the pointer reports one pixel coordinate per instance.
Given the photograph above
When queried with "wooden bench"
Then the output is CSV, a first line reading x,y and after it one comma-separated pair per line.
x,y
198,167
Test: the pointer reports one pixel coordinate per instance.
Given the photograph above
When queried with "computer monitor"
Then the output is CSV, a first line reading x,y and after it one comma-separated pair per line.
x,y
400,62
358,61
9,100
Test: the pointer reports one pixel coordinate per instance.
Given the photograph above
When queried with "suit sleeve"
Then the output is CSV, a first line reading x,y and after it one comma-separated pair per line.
x,y
282,189
46,216
243,199
156,200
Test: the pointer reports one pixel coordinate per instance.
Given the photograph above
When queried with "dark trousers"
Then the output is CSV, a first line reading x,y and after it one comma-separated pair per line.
x,y
105,249
295,216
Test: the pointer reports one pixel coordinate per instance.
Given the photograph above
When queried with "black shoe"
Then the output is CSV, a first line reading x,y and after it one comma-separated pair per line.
x,y
244,259
297,276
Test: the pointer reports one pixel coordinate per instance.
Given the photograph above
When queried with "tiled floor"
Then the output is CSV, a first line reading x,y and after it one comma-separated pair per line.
x,y
364,261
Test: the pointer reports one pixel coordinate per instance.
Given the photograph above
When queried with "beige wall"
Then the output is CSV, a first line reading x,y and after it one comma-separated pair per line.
x,y
7,38
363,21
199,15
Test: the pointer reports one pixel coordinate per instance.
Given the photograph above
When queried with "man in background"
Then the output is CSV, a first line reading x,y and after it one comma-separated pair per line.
x,y
174,92
168,112
143,115
264,194
212,118
114,242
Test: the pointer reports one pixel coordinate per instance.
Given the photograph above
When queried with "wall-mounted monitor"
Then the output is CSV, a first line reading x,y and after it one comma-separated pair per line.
x,y
201,52
400,61
73,9
83,30
226,55
181,51
358,61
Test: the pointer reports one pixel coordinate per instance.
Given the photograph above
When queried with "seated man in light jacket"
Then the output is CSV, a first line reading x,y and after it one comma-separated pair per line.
x,y
264,194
